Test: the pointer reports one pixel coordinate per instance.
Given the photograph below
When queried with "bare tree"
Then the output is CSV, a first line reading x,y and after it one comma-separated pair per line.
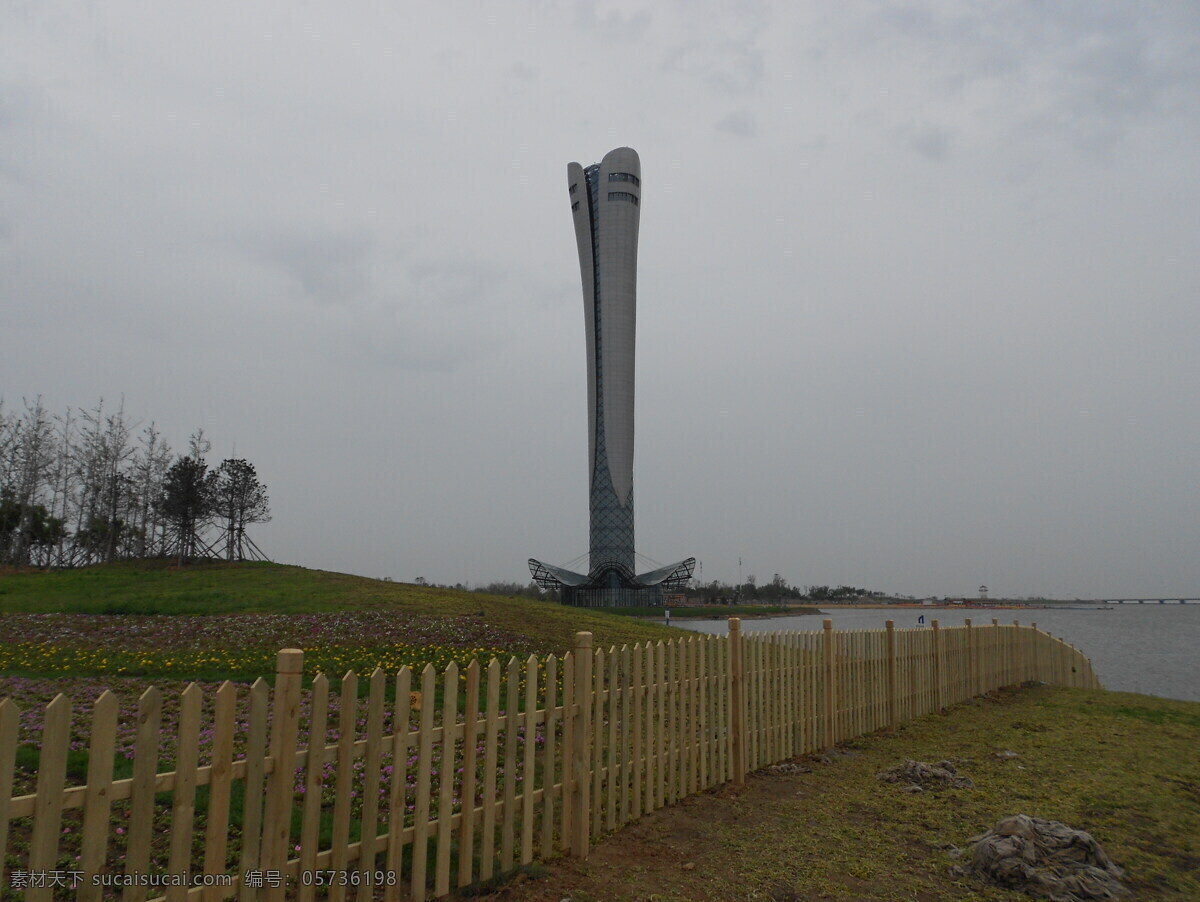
x,y
102,456
30,459
123,498
150,465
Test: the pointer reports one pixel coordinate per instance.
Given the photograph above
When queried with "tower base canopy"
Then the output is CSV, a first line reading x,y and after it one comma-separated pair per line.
x,y
611,585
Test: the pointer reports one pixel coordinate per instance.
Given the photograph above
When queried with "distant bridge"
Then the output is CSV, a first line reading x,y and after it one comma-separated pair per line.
x,y
1148,601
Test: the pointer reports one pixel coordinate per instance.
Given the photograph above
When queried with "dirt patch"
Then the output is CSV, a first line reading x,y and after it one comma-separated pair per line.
x,y
917,776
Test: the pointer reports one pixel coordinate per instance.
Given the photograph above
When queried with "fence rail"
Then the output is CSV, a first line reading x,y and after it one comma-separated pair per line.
x,y
310,793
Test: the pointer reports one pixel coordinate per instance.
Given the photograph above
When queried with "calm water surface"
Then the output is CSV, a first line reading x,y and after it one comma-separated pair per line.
x,y
1153,649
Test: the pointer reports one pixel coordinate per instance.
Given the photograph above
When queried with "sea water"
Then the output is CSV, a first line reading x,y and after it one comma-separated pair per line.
x,y
1152,648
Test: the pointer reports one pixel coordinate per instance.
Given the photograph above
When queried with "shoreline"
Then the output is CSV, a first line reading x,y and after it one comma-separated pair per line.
x,y
807,610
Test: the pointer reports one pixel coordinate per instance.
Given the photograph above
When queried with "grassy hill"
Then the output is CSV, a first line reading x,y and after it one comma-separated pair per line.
x,y
223,620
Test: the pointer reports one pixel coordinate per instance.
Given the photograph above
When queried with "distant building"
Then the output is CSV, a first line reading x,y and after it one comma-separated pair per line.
x,y
606,206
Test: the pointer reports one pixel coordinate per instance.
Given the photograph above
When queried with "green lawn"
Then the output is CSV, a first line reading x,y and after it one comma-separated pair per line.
x,y
1122,767
209,589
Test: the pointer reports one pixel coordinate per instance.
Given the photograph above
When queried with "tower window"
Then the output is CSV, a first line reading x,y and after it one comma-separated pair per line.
x,y
574,206
623,195
573,187
624,177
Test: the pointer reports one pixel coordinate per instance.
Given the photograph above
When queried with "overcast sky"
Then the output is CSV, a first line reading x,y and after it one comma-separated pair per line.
x,y
918,283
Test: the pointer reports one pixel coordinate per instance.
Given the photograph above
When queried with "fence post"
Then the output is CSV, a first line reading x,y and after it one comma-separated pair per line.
x,y
289,666
581,816
830,695
938,695
999,658
737,701
891,674
1036,667
971,690
1019,652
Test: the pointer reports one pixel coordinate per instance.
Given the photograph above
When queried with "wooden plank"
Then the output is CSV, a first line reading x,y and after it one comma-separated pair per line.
x,y
183,806
566,801
704,741
372,771
686,725
52,771
549,781
10,722
508,814
96,811
722,692
737,747
216,840
310,824
141,805
581,800
755,684
597,757
611,712
487,841
783,705
598,741
441,880
420,851
694,734
281,786
398,792
466,829
672,692
660,726
760,701
699,696
779,699
650,732
343,779
627,730
774,696
529,761
797,692
253,782
638,730
830,693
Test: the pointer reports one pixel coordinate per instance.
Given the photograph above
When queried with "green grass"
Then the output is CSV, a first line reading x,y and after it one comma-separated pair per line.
x,y
1122,767
157,587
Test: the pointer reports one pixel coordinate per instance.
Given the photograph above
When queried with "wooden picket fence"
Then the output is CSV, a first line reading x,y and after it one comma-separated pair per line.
x,y
482,771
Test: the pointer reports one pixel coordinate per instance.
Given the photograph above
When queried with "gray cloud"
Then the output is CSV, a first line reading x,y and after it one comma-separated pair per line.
x,y
329,268
929,140
347,249
731,67
611,24
739,123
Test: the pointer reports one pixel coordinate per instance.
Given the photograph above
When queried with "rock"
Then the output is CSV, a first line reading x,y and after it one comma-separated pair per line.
x,y
1044,858
788,768
1005,755
689,865
923,776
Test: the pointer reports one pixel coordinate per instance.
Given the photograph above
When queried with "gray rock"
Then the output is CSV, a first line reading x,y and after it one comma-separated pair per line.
x,y
942,775
1044,858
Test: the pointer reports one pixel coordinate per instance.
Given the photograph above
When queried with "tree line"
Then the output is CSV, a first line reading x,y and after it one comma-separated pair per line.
x,y
778,590
88,486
